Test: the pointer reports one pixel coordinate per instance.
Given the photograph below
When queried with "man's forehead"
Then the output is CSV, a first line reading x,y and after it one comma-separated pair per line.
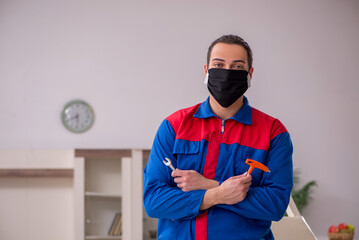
x,y
228,52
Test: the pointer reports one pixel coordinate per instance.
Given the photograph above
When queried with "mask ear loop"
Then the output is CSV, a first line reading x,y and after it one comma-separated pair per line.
x,y
206,79
249,80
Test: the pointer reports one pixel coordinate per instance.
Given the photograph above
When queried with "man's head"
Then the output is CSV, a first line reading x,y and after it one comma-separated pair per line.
x,y
226,86
230,43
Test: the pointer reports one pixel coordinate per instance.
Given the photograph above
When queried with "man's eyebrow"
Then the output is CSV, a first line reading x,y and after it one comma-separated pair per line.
x,y
239,61
218,59
222,60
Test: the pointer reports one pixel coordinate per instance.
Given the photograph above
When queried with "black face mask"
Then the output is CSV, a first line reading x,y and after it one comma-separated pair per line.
x,y
226,86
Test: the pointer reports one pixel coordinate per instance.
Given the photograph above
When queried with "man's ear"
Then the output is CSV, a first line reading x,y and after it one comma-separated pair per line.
x,y
251,72
205,67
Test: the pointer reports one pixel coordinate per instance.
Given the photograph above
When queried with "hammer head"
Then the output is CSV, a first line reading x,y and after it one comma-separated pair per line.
x,y
255,164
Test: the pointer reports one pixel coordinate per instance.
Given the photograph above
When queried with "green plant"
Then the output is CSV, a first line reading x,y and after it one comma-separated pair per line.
x,y
303,195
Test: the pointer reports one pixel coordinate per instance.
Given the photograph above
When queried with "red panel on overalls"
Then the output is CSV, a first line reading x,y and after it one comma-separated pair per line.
x,y
209,171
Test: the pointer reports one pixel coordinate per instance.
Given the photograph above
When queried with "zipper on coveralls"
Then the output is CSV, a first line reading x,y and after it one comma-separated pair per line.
x,y
222,128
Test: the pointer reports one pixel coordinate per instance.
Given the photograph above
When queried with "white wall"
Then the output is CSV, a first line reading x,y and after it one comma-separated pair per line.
x,y
136,62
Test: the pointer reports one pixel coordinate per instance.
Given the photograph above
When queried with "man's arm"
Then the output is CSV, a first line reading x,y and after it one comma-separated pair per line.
x,y
162,198
269,202
231,191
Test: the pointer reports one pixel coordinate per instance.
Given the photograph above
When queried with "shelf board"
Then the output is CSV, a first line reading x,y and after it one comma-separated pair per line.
x,y
24,172
103,237
108,153
98,194
103,153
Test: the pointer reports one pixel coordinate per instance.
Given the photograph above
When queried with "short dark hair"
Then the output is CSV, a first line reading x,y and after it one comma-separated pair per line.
x,y
232,39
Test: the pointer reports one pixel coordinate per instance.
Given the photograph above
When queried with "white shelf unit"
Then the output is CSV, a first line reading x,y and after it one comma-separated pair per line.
x,y
107,182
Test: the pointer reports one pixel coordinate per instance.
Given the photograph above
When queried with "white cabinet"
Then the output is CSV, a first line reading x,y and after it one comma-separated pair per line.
x,y
36,194
104,183
107,182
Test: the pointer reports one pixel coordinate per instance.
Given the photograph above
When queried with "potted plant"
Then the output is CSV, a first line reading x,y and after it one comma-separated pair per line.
x,y
301,196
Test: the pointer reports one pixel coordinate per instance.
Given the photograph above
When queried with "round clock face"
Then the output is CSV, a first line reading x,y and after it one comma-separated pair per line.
x,y
77,116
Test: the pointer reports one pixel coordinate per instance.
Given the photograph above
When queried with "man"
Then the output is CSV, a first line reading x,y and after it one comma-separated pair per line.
x,y
210,195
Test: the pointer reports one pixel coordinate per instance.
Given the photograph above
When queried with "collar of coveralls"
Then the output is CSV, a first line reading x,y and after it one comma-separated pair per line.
x,y
244,115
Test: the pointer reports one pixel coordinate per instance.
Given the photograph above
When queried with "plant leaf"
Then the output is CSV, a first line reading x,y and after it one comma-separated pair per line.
x,y
302,196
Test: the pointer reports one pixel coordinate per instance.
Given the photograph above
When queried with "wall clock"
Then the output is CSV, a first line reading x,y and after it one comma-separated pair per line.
x,y
78,116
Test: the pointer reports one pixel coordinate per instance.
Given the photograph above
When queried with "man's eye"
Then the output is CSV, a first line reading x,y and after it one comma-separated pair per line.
x,y
217,65
237,67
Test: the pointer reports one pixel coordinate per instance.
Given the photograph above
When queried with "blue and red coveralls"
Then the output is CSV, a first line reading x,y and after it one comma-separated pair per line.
x,y
196,139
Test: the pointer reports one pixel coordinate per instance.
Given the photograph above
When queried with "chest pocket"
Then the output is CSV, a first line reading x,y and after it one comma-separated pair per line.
x,y
188,154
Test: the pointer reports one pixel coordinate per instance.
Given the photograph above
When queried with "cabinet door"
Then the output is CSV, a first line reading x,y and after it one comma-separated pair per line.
x,y
103,178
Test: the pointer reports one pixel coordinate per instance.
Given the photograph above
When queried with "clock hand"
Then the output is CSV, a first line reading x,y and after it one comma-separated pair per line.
x,y
76,116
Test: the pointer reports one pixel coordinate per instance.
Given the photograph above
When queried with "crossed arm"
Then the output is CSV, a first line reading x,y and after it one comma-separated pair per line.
x,y
231,191
194,192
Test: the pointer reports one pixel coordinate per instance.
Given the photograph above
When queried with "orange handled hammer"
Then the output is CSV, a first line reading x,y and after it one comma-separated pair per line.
x,y
254,164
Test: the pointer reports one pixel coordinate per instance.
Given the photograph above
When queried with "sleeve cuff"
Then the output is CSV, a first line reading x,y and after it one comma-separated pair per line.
x,y
194,203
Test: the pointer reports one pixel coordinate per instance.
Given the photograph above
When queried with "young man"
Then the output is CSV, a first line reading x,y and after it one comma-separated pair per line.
x,y
210,195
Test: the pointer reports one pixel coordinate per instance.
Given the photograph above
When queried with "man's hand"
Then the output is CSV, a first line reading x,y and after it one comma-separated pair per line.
x,y
234,189
189,180
231,191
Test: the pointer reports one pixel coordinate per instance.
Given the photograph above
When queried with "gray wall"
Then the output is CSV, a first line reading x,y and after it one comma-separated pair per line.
x,y
136,62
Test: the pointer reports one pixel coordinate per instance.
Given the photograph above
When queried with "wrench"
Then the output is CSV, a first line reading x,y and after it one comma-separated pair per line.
x,y
168,163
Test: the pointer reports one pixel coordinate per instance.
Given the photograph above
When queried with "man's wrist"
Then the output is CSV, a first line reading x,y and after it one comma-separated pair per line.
x,y
210,199
211,184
